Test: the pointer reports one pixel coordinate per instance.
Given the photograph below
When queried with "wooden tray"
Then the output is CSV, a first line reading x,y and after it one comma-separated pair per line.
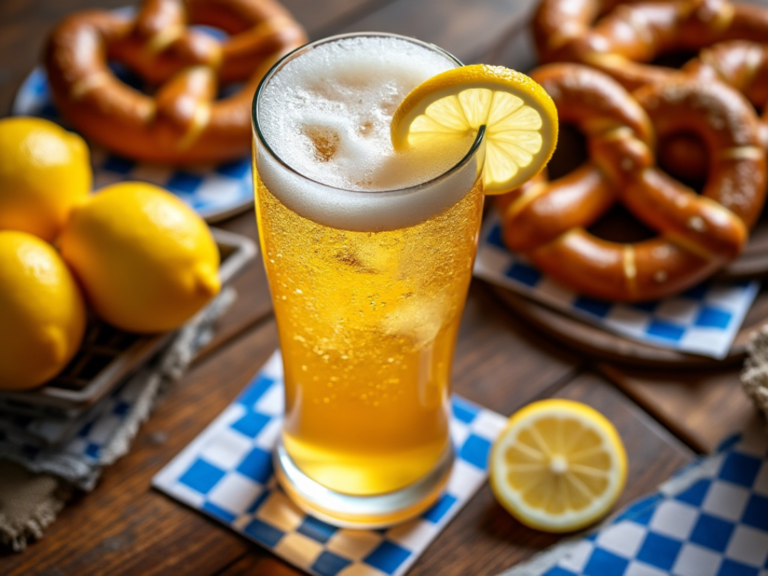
x,y
109,355
620,226
607,346
753,261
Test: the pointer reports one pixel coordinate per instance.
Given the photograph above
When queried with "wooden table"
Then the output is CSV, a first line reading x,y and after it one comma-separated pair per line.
x,y
125,527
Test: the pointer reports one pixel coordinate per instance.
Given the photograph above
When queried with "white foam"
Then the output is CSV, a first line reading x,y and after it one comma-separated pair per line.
x,y
327,114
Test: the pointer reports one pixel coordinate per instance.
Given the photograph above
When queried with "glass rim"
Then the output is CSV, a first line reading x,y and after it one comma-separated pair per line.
x,y
292,54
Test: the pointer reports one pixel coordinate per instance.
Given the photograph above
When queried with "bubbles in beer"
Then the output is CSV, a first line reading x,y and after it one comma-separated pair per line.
x,y
327,114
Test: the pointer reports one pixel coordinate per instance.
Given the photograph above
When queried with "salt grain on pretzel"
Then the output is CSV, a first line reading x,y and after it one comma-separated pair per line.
x,y
182,122
741,64
697,233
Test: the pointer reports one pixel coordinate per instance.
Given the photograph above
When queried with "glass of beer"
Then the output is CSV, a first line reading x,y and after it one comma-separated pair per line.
x,y
369,255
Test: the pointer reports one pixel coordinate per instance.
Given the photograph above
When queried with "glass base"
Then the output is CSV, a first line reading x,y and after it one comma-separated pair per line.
x,y
350,511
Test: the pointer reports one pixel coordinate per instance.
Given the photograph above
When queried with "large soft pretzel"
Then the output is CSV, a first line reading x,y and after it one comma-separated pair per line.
x,y
182,122
740,64
697,233
620,37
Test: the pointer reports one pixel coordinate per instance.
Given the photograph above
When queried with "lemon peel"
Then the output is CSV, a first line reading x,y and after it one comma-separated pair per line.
x,y
519,116
559,466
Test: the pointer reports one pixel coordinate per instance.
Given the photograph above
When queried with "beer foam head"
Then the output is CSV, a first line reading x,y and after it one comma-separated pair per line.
x,y
327,112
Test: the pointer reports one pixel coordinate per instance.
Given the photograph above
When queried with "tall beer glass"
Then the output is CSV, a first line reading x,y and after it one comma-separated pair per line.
x,y
368,280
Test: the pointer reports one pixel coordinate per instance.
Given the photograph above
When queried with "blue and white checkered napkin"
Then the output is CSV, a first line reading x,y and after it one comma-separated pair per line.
x,y
226,472
215,192
97,438
709,520
703,320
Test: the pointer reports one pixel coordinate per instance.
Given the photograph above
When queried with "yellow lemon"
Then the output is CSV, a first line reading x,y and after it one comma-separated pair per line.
x,y
44,172
146,261
559,466
520,120
42,315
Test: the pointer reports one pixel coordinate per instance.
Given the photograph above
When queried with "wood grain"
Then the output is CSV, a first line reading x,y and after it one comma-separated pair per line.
x,y
253,303
608,346
484,539
25,24
500,362
465,28
701,407
125,527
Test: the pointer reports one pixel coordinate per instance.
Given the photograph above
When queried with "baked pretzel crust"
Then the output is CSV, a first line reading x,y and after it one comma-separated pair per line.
x,y
547,221
182,122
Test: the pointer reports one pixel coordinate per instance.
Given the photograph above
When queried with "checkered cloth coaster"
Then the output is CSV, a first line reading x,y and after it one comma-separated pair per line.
x,y
215,192
709,520
226,472
703,320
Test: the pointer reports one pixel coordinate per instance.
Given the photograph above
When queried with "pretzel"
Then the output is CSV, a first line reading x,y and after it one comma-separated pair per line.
x,y
547,221
182,122
740,64
620,37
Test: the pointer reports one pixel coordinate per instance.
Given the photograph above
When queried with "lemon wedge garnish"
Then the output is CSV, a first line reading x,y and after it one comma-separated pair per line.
x,y
519,116
559,466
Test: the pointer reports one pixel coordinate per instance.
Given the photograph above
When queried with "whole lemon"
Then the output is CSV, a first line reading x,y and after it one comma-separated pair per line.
x,y
44,172
146,261
42,315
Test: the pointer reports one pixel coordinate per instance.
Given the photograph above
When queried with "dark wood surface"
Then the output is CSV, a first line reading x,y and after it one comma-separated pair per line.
x,y
606,346
125,527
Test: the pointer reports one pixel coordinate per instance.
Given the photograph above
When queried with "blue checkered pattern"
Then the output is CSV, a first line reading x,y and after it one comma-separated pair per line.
x,y
213,191
703,320
710,520
83,440
226,472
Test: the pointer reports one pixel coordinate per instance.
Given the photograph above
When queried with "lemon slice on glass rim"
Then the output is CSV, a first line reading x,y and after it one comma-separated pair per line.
x,y
520,120
559,466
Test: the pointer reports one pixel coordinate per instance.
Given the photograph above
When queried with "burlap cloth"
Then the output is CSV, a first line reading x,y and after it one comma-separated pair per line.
x,y
754,377
33,489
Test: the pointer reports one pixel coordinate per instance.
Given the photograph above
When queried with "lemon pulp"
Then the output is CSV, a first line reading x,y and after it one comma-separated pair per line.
x,y
519,116
558,466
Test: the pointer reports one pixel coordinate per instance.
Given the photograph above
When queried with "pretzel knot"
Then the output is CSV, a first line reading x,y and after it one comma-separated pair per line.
x,y
740,64
182,122
547,221
620,37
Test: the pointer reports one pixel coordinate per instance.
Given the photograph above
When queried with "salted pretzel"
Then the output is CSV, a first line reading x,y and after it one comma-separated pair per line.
x,y
620,37
740,64
547,220
182,121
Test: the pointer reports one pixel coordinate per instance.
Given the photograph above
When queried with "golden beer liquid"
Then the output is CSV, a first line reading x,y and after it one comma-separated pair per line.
x,y
367,324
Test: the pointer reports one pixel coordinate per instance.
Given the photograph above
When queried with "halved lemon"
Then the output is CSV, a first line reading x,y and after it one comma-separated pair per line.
x,y
519,117
559,466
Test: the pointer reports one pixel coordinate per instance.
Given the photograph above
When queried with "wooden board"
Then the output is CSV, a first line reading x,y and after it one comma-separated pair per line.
x,y
465,28
620,226
484,539
600,344
701,407
132,529
753,261
125,527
